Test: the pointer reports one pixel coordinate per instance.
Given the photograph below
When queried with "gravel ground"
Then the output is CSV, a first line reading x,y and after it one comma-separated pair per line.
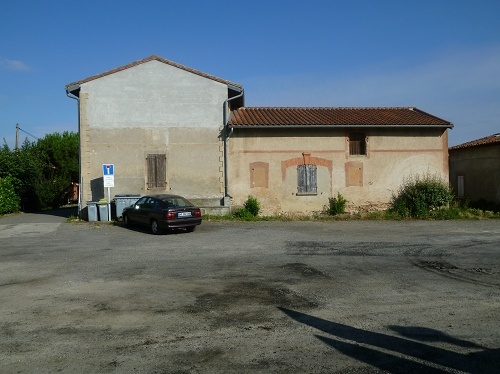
x,y
256,297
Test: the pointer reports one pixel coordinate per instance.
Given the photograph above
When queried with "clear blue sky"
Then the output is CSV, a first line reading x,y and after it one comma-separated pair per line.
x,y
442,56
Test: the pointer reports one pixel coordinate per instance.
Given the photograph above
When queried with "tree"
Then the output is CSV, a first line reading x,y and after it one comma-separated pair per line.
x,y
59,156
42,172
9,201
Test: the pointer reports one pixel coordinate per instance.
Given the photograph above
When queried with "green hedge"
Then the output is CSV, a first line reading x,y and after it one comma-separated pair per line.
x,y
9,201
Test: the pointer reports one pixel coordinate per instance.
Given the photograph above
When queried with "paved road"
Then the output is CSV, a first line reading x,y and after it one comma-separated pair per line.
x,y
281,297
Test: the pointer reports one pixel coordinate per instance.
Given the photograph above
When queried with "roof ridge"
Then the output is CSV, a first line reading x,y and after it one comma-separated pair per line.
x,y
151,58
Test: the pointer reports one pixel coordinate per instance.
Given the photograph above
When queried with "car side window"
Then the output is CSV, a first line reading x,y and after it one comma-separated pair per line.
x,y
141,201
155,204
149,203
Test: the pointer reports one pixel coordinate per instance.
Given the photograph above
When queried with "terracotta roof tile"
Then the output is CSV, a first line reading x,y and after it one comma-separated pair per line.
x,y
342,117
151,58
487,140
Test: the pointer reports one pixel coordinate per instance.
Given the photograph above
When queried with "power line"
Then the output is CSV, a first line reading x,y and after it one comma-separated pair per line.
x,y
17,135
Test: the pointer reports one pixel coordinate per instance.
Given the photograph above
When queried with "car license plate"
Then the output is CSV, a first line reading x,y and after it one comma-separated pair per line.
x,y
184,214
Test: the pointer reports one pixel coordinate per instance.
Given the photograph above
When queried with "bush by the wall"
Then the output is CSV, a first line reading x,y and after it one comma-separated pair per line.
x,y
419,195
252,206
250,210
336,205
9,201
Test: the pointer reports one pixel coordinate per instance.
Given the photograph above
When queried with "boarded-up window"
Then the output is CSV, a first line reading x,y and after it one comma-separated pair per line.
x,y
354,173
357,143
460,186
307,179
157,170
259,174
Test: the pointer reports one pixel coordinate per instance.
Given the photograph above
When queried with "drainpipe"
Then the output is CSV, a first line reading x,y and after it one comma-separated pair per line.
x,y
226,135
80,184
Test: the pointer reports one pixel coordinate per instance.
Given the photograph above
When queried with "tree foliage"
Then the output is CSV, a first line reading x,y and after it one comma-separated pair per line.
x,y
42,172
9,201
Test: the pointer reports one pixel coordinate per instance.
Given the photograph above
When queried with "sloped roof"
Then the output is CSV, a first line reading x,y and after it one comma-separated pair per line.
x,y
248,117
487,140
75,85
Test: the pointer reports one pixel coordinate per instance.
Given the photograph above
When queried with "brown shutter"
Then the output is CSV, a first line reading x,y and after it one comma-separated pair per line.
x,y
161,171
151,171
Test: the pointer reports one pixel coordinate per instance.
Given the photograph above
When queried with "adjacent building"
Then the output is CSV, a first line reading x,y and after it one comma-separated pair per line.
x,y
475,170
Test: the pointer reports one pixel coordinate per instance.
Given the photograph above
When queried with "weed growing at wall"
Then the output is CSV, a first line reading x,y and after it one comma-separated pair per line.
x,y
250,210
336,205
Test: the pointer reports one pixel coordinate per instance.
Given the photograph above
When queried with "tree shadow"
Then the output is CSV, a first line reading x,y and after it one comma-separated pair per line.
x,y
400,354
65,212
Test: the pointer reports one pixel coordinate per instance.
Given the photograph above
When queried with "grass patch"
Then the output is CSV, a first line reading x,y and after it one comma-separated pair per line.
x,y
441,214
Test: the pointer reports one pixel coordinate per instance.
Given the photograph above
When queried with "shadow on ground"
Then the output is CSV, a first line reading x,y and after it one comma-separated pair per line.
x,y
406,354
65,212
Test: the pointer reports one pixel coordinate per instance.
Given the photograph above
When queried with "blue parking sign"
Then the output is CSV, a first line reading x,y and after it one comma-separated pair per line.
x,y
108,169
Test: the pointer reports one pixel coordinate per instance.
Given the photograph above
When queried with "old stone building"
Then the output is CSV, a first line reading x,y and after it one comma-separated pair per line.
x,y
169,128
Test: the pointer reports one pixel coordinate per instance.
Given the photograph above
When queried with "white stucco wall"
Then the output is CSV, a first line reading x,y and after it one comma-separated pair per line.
x,y
152,108
154,94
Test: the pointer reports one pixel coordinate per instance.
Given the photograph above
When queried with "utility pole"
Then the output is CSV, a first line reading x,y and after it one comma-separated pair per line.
x,y
17,136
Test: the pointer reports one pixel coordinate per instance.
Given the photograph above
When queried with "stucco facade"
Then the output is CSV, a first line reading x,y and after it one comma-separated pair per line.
x,y
152,108
264,164
475,169
168,128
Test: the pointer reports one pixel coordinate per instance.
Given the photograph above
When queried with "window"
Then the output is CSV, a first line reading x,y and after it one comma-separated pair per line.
x,y
157,171
460,186
306,179
357,143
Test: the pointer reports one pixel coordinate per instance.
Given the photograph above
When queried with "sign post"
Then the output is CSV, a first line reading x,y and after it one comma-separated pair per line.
x,y
108,176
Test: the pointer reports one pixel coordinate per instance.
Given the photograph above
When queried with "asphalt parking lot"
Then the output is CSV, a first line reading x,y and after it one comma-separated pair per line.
x,y
256,297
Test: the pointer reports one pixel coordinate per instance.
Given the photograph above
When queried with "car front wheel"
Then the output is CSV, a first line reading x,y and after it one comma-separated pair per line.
x,y
127,220
155,228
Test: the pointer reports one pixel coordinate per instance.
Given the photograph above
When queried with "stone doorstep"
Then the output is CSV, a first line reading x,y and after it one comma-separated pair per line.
x,y
215,210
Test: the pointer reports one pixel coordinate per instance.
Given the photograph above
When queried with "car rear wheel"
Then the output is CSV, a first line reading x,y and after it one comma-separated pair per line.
x,y
155,228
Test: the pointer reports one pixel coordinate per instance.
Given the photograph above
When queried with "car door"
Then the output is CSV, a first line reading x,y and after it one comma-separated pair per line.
x,y
145,210
137,213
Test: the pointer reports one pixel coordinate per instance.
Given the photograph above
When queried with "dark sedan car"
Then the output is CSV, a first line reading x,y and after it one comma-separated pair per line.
x,y
163,212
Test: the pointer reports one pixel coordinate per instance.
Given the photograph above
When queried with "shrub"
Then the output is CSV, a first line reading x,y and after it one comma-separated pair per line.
x,y
243,213
420,195
336,205
252,206
9,201
250,210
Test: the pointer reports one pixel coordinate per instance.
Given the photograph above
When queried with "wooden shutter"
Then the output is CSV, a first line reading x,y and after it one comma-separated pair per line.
x,y
150,160
156,170
161,171
307,179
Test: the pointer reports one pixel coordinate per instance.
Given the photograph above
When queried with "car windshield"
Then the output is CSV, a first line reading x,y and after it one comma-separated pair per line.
x,y
176,202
